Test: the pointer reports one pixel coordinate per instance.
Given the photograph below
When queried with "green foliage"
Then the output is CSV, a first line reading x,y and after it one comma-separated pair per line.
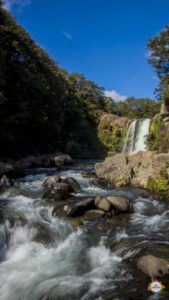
x,y
161,185
42,107
154,139
159,59
138,108
112,135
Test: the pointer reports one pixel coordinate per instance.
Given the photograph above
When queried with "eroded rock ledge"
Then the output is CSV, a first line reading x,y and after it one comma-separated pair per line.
x,y
145,169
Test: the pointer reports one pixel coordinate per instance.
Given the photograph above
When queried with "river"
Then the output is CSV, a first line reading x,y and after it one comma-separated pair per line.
x,y
47,258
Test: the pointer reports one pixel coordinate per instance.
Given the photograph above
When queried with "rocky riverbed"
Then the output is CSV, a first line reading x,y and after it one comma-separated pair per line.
x,y
64,247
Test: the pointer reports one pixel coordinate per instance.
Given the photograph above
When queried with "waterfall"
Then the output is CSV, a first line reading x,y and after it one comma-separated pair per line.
x,y
136,138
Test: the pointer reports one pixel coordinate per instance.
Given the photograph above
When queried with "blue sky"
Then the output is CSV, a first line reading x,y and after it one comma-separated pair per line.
x,y
103,39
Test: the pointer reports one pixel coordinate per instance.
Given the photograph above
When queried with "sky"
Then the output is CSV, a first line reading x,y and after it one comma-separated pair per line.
x,y
103,39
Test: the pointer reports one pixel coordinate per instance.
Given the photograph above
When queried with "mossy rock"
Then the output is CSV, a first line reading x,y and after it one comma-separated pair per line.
x,y
161,185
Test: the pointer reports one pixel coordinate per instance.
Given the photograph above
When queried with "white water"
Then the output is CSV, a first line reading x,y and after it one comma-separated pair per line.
x,y
136,138
75,264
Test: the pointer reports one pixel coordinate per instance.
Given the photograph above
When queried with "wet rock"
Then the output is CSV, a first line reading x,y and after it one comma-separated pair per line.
x,y
13,192
88,174
58,210
43,234
153,266
93,214
101,183
15,217
79,208
32,162
103,204
74,186
4,182
120,203
44,161
52,196
76,223
63,159
51,181
11,171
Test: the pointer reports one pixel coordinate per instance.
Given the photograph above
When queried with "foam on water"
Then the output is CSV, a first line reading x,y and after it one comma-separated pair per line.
x,y
73,266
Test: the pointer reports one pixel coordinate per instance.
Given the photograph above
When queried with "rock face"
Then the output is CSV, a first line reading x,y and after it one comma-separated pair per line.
x,y
112,131
164,110
153,266
135,169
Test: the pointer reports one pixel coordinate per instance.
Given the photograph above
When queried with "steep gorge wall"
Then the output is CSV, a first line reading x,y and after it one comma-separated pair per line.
x,y
112,131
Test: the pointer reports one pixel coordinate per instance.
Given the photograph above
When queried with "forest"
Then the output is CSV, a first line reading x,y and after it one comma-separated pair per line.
x,y
43,108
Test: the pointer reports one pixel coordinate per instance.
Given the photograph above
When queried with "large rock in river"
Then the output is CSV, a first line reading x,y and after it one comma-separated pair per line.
x,y
135,169
153,266
120,203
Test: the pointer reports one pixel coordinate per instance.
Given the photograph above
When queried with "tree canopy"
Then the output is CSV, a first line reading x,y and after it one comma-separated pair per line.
x,y
42,107
138,108
159,59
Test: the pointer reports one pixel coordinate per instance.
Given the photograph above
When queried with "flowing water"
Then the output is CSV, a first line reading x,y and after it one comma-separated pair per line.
x,y
136,138
47,258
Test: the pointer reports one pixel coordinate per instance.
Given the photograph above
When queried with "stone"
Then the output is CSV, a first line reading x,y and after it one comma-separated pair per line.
x,y
73,184
120,203
51,181
4,181
79,208
101,183
135,169
63,159
11,171
164,110
61,191
166,120
93,214
104,204
153,266
115,170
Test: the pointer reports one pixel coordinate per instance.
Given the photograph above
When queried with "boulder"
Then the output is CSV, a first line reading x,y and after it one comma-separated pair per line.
x,y
93,214
115,170
11,171
101,183
79,208
74,186
51,181
44,161
63,159
153,266
135,169
60,192
119,203
4,181
103,204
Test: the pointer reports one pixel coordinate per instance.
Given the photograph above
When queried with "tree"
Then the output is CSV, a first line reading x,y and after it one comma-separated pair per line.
x,y
159,59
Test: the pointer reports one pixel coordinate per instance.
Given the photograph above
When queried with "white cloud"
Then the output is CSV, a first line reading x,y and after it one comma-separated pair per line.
x,y
67,35
8,4
115,96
